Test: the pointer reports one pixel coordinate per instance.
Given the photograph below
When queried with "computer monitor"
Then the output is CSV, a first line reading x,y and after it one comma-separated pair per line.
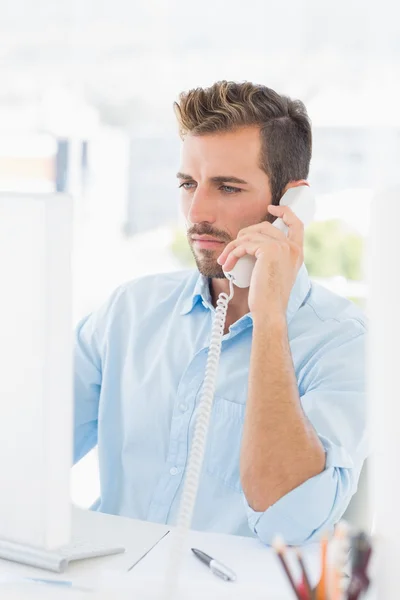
x,y
36,368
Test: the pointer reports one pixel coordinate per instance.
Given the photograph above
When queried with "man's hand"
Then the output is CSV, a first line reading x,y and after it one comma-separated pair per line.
x,y
279,258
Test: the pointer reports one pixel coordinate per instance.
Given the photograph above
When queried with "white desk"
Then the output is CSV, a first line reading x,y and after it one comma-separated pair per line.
x,y
138,537
258,571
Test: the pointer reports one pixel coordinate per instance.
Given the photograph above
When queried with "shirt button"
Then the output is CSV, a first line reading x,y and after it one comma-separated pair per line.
x,y
174,471
183,407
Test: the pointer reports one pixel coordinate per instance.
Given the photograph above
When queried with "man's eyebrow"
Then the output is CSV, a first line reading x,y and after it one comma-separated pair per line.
x,y
227,179
216,179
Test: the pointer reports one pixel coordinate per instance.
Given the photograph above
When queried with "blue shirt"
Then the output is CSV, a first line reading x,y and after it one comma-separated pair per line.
x,y
139,369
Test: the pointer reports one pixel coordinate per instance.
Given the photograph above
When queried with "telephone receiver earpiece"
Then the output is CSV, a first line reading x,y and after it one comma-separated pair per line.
x,y
302,201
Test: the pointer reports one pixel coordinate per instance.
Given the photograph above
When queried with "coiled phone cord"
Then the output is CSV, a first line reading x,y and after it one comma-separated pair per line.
x,y
196,456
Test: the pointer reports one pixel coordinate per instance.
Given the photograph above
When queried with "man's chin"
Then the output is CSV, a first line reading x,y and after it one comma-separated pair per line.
x,y
210,269
206,262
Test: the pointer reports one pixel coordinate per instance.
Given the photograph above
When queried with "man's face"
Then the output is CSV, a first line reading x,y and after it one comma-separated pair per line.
x,y
223,190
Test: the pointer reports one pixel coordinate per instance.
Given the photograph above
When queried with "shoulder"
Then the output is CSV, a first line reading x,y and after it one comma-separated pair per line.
x,y
329,335
141,296
173,281
326,321
330,308
153,289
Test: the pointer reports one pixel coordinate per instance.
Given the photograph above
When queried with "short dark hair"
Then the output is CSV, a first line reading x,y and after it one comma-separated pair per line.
x,y
285,128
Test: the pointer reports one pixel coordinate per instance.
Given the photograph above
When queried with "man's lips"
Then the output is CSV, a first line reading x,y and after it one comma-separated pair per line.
x,y
206,241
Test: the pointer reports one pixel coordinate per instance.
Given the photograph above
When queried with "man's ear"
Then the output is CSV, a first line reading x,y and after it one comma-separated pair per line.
x,y
297,183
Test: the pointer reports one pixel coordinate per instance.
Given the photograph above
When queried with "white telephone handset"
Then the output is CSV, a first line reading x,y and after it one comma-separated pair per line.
x,y
302,201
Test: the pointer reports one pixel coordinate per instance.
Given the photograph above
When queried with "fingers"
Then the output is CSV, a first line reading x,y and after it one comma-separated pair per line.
x,y
252,239
253,233
239,251
295,226
244,240
263,228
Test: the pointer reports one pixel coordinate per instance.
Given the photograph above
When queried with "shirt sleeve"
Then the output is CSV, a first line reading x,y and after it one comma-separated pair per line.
x,y
335,403
87,386
90,338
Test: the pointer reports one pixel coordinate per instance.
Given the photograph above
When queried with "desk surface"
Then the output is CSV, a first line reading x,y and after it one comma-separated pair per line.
x,y
259,573
142,568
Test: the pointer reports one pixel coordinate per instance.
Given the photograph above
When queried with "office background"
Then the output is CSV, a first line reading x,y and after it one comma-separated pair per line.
x,y
86,108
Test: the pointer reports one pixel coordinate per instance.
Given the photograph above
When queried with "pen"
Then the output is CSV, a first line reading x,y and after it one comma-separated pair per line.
x,y
216,567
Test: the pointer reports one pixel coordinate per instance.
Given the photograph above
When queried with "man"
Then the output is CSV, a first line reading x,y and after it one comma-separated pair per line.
x,y
287,436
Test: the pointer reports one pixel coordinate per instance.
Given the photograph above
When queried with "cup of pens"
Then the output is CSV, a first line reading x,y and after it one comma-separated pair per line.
x,y
345,559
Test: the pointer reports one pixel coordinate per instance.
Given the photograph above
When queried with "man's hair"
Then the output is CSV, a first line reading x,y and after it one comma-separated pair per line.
x,y
286,139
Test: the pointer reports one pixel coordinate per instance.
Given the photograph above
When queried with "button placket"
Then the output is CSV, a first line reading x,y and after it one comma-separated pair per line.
x,y
179,444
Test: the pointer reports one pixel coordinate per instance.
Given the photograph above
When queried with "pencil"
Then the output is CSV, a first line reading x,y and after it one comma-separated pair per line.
x,y
322,587
279,546
302,590
306,581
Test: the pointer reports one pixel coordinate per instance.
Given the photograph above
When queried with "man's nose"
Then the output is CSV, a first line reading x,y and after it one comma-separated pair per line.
x,y
202,208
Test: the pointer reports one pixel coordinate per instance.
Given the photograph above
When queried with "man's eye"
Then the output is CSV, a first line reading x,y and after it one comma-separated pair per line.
x,y
187,185
230,189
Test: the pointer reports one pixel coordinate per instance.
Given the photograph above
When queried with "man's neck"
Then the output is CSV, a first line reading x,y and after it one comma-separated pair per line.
x,y
238,305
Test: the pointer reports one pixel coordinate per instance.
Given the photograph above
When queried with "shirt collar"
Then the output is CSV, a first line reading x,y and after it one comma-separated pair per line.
x,y
198,289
